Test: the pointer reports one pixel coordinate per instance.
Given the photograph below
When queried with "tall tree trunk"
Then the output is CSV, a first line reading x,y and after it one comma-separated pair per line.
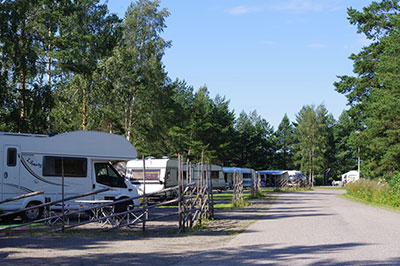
x,y
22,77
84,114
22,96
129,121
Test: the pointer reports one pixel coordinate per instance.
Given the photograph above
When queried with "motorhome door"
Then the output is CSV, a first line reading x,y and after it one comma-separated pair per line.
x,y
10,176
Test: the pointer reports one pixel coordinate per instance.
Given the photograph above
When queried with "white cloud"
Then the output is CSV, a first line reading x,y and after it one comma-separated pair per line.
x,y
240,10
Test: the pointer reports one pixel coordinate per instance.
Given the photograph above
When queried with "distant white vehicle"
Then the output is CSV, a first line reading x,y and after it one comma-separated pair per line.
x,y
350,176
163,173
296,177
33,162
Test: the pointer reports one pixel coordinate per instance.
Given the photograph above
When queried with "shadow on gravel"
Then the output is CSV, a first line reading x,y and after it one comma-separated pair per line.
x,y
290,255
247,255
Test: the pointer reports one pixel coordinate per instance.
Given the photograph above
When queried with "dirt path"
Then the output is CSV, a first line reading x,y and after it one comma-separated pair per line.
x,y
159,246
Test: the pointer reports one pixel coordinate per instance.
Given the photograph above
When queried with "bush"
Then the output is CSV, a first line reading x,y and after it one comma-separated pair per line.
x,y
375,191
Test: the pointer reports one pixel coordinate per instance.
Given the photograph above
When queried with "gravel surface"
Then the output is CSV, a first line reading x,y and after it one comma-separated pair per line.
x,y
159,246
300,228
313,228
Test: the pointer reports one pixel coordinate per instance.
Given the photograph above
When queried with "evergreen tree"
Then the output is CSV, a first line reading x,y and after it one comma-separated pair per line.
x,y
284,153
373,93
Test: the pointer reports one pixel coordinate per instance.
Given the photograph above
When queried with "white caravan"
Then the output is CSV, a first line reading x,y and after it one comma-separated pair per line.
x,y
159,174
350,176
32,163
214,172
248,176
163,173
229,173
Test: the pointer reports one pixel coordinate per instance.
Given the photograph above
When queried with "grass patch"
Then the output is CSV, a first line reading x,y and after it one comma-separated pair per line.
x,y
377,192
12,225
222,206
369,203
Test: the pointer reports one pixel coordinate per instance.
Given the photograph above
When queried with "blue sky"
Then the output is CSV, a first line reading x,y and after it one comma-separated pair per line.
x,y
273,56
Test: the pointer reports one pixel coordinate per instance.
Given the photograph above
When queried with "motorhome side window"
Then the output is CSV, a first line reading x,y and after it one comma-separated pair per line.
x,y
11,157
107,175
73,167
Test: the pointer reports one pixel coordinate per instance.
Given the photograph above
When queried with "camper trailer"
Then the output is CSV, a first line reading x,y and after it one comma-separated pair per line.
x,y
215,174
248,176
163,173
350,176
80,161
159,174
229,173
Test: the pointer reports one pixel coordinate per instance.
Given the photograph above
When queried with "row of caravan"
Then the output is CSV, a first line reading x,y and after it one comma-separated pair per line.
x,y
163,173
74,163
71,164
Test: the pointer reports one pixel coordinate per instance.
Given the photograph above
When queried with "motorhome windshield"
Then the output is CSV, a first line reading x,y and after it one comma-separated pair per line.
x,y
107,175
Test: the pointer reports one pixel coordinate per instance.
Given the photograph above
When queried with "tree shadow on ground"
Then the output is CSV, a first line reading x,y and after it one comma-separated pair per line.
x,y
247,255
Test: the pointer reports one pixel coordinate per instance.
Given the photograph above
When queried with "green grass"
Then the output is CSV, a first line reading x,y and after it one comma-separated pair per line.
x,y
12,225
377,192
369,203
222,206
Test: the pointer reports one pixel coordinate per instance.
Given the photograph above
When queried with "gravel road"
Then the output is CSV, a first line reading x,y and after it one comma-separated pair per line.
x,y
159,246
313,228
300,228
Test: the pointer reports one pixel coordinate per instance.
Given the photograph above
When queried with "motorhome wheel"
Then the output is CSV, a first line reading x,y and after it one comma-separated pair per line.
x,y
32,214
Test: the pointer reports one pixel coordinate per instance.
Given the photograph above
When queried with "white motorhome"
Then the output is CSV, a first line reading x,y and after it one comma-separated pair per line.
x,y
296,178
32,163
163,173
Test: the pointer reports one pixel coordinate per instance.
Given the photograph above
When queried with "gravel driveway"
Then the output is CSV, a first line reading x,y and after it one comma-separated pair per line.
x,y
160,246
313,228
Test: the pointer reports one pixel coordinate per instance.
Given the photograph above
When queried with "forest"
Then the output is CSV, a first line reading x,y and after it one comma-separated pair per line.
x,y
71,65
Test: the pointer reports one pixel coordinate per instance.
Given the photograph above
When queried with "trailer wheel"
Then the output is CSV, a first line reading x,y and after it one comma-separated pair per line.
x,y
33,214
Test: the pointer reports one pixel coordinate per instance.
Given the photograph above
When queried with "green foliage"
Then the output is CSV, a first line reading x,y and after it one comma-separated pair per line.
x,y
373,93
255,145
285,139
313,132
375,191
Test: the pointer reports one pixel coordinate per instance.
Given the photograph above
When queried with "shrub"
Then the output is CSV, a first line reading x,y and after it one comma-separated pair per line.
x,y
375,191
